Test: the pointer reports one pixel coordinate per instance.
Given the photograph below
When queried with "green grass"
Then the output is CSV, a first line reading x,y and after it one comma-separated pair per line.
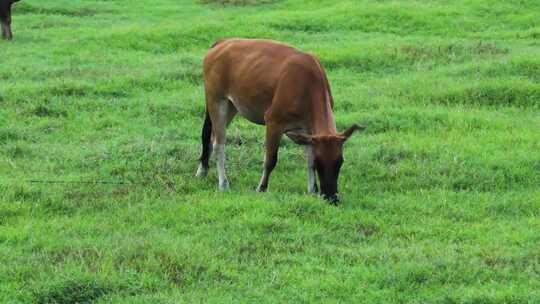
x,y
441,193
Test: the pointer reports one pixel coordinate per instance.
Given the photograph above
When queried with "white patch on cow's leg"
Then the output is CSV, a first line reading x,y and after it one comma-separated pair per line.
x,y
220,136
220,154
312,181
263,183
221,114
201,171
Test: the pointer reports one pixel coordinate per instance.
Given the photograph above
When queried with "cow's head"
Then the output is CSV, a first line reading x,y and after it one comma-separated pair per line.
x,y
328,158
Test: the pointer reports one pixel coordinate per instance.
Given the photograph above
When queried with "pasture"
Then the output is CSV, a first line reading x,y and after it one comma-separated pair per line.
x,y
440,194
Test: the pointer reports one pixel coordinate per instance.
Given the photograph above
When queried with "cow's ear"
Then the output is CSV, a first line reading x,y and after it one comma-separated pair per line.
x,y
300,138
347,133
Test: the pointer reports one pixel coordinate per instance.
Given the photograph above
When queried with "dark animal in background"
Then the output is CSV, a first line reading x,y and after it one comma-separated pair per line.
x,y
5,18
270,83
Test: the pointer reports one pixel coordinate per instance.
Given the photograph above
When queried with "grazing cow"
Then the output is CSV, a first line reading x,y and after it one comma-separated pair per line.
x,y
5,18
272,84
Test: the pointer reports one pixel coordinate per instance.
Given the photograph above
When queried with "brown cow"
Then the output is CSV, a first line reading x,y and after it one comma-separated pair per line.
x,y
272,84
5,18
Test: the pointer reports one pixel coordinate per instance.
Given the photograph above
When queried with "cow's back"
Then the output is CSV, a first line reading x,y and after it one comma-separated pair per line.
x,y
241,66
266,80
250,72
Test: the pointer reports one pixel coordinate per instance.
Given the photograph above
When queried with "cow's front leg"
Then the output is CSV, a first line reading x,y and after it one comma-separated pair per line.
x,y
273,137
312,181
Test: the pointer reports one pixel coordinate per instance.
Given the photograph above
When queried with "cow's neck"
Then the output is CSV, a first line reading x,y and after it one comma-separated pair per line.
x,y
323,122
322,119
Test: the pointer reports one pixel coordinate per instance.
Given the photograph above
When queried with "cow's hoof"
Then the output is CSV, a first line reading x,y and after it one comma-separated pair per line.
x,y
223,186
332,199
201,171
261,188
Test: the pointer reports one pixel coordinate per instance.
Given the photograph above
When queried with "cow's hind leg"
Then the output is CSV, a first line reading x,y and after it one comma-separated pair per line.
x,y
221,113
273,137
206,138
5,23
9,34
4,26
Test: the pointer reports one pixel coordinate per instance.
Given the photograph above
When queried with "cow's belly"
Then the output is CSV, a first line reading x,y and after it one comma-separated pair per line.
x,y
250,111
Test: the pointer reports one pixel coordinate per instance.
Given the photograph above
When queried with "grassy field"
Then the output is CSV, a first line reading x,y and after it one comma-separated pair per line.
x,y
440,195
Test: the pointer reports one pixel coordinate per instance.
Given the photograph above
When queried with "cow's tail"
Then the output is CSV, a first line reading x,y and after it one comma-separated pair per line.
x,y
206,137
